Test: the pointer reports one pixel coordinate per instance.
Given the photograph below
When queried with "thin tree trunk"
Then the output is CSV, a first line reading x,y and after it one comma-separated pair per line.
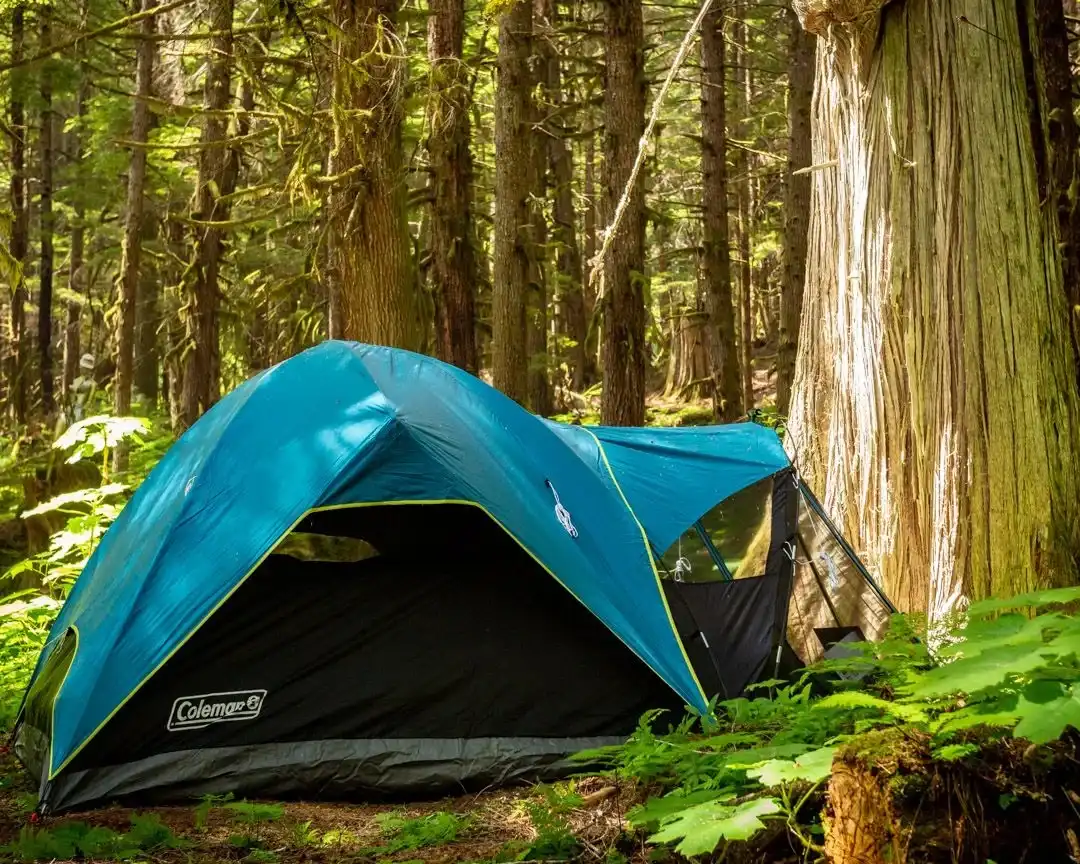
x,y
539,293
18,346
378,296
145,375
200,361
623,398
1057,140
716,264
513,153
935,402
76,272
588,291
569,295
743,168
45,214
131,251
801,52
453,271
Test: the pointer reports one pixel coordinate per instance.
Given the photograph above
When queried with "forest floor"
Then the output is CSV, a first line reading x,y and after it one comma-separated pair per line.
x,y
524,824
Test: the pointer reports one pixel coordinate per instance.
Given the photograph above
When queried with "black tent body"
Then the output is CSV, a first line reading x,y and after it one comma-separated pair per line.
x,y
420,650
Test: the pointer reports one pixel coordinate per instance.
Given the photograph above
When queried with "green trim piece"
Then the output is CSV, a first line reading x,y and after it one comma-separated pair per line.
x,y
330,507
652,564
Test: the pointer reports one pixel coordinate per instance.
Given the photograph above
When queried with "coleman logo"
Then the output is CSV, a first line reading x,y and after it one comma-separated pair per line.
x,y
197,712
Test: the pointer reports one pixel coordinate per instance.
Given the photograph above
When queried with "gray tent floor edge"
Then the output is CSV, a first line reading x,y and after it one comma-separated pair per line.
x,y
326,769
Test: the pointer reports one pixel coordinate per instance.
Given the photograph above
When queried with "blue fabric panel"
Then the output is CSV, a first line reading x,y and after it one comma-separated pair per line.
x,y
673,476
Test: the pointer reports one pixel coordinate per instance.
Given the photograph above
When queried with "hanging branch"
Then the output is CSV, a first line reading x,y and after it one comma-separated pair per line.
x,y
106,30
596,265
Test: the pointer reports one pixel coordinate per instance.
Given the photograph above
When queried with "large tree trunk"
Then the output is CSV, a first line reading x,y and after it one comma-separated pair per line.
x,y
624,348
801,48
935,400
569,297
727,382
513,152
131,251
201,384
378,297
18,347
453,272
45,214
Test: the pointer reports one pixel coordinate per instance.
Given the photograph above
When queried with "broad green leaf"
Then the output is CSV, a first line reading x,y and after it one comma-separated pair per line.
x,y
811,767
1045,721
972,674
700,829
660,809
1038,599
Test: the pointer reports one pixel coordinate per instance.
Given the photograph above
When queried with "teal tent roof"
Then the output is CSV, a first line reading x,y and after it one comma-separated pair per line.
x,y
346,424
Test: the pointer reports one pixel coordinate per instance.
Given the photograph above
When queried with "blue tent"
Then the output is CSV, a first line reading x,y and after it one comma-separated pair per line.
x,y
337,428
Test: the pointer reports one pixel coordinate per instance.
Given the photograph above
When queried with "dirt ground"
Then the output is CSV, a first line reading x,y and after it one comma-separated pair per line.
x,y
499,827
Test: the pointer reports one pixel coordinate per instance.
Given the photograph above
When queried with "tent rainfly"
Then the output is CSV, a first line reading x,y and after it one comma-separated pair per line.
x,y
365,571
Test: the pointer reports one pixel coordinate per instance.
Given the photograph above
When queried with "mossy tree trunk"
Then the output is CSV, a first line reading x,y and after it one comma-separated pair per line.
x,y
371,256
716,257
624,348
453,271
511,239
201,360
801,52
18,343
131,249
935,403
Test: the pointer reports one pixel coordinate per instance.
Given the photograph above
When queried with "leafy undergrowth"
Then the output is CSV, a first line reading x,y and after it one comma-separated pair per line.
x,y
978,715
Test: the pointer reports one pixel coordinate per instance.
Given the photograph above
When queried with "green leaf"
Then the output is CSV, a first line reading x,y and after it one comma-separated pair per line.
x,y
986,669
659,809
861,699
1038,599
700,829
811,767
954,752
1042,722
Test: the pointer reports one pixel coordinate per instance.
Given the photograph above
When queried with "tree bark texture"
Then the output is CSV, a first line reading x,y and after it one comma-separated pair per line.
x,y
18,342
453,272
378,296
76,266
47,220
513,153
801,52
743,162
588,227
935,405
716,263
539,292
131,250
1056,138
148,331
568,293
624,349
